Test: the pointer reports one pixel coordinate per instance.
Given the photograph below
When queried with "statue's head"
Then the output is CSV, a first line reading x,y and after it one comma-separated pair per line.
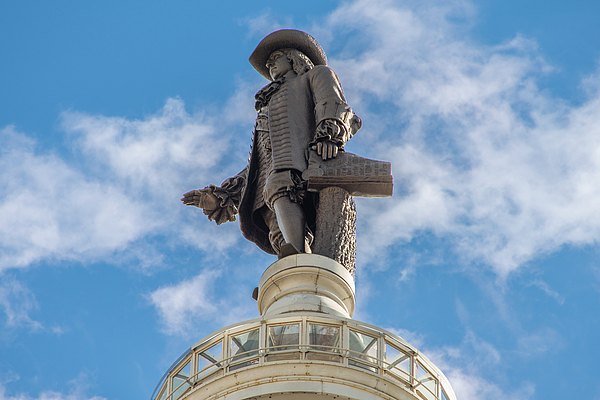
x,y
282,61
302,51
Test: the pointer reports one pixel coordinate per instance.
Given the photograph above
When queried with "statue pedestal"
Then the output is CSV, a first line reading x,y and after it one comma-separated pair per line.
x,y
306,283
335,233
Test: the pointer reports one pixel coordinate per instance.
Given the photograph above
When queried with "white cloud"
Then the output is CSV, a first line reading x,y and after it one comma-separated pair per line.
x,y
186,307
469,386
260,24
540,343
467,365
469,383
122,185
546,289
177,305
48,395
78,385
481,155
413,338
49,209
17,301
149,155
156,160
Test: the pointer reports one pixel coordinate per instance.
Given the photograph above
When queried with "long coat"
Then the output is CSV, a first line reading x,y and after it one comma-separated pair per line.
x,y
294,111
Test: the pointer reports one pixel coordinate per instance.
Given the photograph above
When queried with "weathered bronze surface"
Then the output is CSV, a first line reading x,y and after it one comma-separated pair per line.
x,y
295,194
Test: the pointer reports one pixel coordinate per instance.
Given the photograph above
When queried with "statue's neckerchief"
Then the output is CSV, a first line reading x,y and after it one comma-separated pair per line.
x,y
263,96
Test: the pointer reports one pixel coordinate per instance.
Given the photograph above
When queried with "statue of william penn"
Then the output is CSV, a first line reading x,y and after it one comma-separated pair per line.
x,y
301,111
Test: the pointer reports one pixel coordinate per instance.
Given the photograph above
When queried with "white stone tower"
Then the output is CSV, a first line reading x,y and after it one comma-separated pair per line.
x,y
304,346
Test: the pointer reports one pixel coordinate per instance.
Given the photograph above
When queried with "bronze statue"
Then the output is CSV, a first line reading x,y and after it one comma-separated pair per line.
x,y
302,124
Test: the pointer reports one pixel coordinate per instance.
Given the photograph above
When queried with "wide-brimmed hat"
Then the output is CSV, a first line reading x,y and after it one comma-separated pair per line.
x,y
286,39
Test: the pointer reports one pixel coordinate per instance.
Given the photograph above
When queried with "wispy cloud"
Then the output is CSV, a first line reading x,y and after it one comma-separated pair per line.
x,y
540,343
17,301
543,286
264,23
467,368
49,209
467,365
470,386
482,156
79,386
121,186
151,154
186,307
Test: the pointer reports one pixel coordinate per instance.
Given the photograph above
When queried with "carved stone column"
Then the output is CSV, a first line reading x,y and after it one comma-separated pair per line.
x,y
335,235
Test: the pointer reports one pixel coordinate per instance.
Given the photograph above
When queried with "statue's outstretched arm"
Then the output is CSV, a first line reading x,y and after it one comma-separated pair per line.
x,y
220,204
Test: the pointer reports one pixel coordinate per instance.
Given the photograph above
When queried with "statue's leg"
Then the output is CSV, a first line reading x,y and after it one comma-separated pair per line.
x,y
283,197
290,218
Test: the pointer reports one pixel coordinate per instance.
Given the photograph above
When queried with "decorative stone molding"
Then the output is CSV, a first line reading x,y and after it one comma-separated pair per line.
x,y
306,282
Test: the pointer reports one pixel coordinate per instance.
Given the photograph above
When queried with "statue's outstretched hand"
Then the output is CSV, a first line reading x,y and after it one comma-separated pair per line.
x,y
218,208
202,198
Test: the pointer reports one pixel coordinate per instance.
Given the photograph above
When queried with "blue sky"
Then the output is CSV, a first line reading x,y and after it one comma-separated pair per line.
x,y
486,257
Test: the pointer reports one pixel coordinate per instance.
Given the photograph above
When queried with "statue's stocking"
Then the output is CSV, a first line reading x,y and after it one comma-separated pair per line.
x,y
290,218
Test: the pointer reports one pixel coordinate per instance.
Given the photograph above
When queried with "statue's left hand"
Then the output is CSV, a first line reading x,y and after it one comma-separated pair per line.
x,y
326,149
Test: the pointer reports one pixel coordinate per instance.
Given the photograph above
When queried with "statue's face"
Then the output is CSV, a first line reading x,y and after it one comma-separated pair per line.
x,y
278,64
